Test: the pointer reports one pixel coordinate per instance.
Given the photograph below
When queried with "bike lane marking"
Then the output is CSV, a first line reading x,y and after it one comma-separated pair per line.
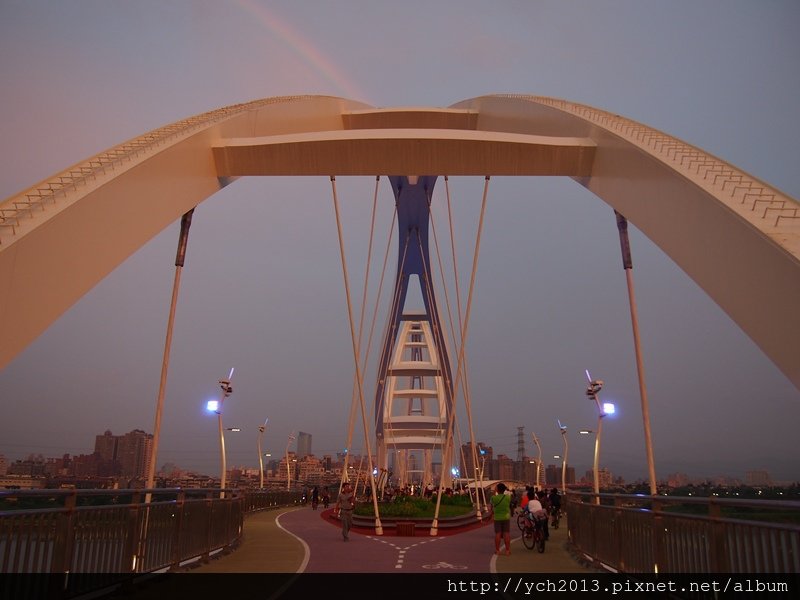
x,y
401,551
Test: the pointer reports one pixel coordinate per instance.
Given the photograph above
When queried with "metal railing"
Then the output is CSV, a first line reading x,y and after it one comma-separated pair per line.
x,y
721,178
46,193
664,534
97,538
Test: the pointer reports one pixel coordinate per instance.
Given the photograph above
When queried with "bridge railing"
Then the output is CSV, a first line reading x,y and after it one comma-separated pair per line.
x,y
96,538
652,534
46,193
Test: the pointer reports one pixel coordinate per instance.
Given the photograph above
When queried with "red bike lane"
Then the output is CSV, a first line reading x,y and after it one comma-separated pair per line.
x,y
469,551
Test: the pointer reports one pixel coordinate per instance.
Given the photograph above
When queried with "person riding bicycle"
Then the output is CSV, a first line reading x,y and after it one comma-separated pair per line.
x,y
535,512
555,504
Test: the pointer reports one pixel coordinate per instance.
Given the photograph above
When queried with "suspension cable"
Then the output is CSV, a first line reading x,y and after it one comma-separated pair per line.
x,y
467,394
378,528
390,324
453,399
438,340
434,526
360,328
456,341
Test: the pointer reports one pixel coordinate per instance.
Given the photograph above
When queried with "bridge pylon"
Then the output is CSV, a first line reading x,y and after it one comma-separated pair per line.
x,y
414,399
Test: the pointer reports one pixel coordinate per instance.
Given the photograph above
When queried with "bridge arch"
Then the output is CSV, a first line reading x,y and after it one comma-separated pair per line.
x,y
737,237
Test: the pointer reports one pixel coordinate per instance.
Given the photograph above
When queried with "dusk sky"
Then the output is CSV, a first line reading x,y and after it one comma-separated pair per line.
x,y
262,289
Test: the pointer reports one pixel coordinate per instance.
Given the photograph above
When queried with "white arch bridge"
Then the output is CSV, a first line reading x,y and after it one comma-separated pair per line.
x,y
735,236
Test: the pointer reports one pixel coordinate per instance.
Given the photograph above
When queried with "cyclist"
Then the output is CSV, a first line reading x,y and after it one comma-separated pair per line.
x,y
534,511
555,506
545,503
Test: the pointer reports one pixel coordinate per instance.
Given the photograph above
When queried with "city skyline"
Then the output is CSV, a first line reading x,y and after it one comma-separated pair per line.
x,y
262,288
551,470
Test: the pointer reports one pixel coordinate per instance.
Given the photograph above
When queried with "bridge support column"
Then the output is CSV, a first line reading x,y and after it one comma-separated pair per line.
x,y
627,264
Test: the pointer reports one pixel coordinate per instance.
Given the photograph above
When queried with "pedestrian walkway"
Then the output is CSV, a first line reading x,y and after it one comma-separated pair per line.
x,y
302,540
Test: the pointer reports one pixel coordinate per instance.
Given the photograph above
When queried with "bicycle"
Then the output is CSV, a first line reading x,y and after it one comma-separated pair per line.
x,y
556,518
533,534
522,519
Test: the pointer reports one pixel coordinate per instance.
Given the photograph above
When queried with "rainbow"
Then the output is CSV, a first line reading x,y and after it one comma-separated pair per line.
x,y
304,48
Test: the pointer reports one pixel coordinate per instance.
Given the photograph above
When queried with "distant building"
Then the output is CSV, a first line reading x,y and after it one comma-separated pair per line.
x,y
485,454
106,446
287,470
126,455
505,468
303,444
528,470
33,466
21,482
552,475
310,469
605,480
134,452
757,478
676,480
3,465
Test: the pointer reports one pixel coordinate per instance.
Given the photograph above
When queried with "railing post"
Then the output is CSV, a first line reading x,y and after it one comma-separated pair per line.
x,y
177,538
136,536
209,526
717,562
659,542
617,535
63,547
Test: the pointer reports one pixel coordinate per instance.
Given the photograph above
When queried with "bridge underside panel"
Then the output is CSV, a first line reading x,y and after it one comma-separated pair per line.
x,y
412,152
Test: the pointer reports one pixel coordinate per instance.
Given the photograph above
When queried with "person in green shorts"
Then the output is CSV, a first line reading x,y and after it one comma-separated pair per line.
x,y
501,507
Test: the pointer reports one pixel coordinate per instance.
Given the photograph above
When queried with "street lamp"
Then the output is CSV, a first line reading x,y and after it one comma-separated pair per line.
x,y
288,466
482,470
261,429
538,461
563,429
607,408
216,406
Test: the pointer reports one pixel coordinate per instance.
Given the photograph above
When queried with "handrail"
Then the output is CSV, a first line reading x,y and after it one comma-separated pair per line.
x,y
38,195
719,177
76,542
655,534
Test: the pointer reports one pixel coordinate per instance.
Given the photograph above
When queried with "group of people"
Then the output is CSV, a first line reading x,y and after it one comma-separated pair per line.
x,y
538,505
325,495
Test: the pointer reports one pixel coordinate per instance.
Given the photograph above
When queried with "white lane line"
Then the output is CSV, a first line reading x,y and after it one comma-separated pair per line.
x,y
306,549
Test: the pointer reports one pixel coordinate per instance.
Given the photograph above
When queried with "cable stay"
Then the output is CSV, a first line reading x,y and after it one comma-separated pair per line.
x,y
359,379
415,345
464,331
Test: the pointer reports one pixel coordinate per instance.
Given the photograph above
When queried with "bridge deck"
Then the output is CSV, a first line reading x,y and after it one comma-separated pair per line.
x,y
302,540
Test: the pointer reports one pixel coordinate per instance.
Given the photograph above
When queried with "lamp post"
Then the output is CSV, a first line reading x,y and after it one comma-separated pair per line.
x,y
563,429
592,391
216,406
261,429
538,461
288,466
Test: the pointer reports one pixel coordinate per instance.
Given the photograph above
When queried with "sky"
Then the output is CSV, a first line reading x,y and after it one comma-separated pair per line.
x,y
262,290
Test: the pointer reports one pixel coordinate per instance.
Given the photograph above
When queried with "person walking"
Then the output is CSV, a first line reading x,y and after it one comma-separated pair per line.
x,y
345,504
501,507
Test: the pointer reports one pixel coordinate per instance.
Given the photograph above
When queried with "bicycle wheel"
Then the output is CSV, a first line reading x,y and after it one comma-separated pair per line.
x,y
540,544
528,538
521,521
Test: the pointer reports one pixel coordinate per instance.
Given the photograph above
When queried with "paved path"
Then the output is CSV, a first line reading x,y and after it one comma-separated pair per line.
x,y
301,540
